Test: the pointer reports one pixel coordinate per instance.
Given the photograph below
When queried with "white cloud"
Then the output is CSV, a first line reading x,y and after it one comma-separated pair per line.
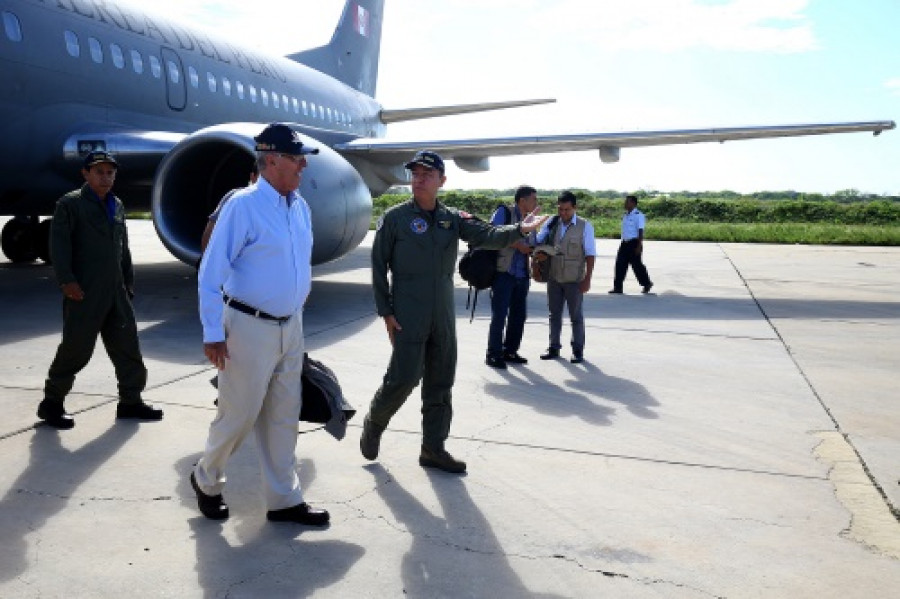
x,y
671,25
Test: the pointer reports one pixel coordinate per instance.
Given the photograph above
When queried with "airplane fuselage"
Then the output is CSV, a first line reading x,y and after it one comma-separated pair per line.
x,y
81,67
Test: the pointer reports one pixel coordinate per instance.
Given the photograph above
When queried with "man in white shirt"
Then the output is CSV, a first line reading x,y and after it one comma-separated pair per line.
x,y
253,281
570,273
631,248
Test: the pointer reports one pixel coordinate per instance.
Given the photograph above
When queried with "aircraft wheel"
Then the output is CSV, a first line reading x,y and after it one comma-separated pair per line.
x,y
17,240
42,241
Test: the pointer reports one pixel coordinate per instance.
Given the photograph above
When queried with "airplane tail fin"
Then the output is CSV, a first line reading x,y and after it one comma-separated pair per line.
x,y
352,54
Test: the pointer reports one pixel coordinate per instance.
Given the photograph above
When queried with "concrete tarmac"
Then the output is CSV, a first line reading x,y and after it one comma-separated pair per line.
x,y
735,433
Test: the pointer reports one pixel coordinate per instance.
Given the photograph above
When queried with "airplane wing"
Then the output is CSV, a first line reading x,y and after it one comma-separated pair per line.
x,y
472,154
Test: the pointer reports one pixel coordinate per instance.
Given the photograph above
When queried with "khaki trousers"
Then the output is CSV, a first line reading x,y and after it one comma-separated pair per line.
x,y
259,390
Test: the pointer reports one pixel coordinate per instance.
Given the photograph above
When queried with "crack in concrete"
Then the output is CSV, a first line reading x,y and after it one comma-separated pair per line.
x,y
873,522
21,491
640,579
895,512
441,541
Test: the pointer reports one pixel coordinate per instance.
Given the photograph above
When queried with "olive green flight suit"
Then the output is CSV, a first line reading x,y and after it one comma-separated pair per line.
x,y
420,250
89,249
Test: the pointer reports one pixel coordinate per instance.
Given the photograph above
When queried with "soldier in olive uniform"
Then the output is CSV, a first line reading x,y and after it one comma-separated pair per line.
x,y
92,262
418,242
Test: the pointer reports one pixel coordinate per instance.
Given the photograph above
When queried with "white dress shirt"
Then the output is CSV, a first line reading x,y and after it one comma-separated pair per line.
x,y
259,254
590,245
632,223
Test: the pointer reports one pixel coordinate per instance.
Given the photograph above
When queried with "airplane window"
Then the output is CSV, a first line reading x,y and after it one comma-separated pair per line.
x,y
211,82
275,100
312,109
96,50
155,66
328,111
118,57
253,94
226,86
240,89
265,96
174,71
194,77
284,102
12,26
137,62
305,111
296,105
322,113
72,45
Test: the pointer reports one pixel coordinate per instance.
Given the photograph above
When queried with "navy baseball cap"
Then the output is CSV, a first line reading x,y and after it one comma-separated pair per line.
x,y
278,137
99,157
427,158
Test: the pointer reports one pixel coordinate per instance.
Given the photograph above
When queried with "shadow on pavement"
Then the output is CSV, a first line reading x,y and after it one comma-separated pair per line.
x,y
580,397
268,559
46,487
479,563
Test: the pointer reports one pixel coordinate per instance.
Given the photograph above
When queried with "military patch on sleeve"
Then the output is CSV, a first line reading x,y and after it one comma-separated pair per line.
x,y
379,224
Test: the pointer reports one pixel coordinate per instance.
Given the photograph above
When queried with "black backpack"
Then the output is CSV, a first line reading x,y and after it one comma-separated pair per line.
x,y
478,267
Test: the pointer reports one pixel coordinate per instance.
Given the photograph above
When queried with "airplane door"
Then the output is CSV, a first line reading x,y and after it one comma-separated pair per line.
x,y
176,86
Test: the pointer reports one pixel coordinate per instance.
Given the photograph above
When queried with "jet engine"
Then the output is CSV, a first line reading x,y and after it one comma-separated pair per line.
x,y
204,166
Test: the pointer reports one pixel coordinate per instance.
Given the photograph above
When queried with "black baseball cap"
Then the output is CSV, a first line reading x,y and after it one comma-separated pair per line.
x,y
427,158
278,137
99,157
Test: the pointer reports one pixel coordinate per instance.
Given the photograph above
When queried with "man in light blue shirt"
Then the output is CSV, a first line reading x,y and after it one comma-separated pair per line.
x,y
253,281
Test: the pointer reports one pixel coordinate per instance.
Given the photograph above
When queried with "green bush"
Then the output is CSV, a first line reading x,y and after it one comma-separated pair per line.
x,y
769,217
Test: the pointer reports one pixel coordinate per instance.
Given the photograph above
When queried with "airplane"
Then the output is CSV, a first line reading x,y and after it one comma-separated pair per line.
x,y
179,107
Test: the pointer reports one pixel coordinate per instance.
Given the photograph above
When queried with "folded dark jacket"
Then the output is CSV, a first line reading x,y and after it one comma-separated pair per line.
x,y
323,400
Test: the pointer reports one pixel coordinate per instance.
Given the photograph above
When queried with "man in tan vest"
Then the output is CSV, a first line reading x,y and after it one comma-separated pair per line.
x,y
570,273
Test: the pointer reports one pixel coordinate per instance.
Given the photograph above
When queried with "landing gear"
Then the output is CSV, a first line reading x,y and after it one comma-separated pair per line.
x,y
42,242
25,239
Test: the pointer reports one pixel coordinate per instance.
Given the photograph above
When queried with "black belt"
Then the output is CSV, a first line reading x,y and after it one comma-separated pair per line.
x,y
242,307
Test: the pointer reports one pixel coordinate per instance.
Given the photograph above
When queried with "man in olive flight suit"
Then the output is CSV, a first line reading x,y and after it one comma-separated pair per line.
x,y
92,262
418,242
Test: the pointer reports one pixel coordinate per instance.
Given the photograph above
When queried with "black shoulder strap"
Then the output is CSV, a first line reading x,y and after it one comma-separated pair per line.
x,y
473,299
551,228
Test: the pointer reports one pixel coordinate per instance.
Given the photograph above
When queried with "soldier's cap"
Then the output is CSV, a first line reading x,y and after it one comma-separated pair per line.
x,y
427,158
278,137
99,157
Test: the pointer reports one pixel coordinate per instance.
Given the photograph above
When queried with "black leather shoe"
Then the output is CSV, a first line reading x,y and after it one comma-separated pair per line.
x,y
301,514
441,460
211,506
647,288
370,440
495,362
615,291
514,358
138,411
551,354
54,414
577,359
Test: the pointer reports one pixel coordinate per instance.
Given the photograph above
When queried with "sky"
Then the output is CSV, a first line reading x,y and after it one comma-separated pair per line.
x,y
625,65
